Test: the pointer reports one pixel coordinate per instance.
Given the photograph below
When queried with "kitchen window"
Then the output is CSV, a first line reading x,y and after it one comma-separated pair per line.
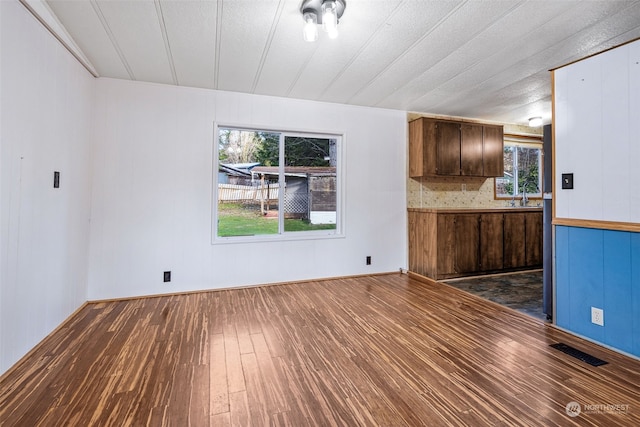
x,y
276,185
522,169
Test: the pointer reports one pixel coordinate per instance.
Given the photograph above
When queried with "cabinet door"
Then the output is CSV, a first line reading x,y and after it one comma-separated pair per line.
x,y
492,151
416,148
448,148
533,238
514,240
491,241
467,243
422,148
446,244
471,149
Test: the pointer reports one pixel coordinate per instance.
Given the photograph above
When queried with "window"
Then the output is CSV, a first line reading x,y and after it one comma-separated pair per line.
x,y
522,169
272,184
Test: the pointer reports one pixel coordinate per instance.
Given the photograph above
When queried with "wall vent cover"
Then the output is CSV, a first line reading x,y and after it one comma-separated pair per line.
x,y
574,352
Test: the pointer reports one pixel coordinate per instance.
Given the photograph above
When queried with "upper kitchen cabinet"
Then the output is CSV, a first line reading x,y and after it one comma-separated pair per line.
x,y
493,150
471,158
450,148
447,155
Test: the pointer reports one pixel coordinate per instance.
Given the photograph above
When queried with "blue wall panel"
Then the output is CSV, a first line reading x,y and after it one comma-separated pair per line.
x,y
635,292
618,307
586,276
599,268
562,292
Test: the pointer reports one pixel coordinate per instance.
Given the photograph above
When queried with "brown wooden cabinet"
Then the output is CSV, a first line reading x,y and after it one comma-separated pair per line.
x,y
514,240
523,240
451,148
444,243
493,150
491,241
533,239
471,160
453,243
467,243
447,150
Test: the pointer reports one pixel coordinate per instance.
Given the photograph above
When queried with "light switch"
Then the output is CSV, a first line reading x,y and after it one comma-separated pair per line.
x,y
567,181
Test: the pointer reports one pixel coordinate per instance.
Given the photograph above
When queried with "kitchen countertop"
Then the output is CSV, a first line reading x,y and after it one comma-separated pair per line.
x,y
477,210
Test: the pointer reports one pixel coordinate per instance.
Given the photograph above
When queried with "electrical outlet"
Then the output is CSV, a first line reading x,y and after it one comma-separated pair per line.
x,y
368,260
597,316
167,276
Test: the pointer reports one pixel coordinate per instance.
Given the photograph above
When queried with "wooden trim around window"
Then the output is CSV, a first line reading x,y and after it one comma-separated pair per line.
x,y
535,139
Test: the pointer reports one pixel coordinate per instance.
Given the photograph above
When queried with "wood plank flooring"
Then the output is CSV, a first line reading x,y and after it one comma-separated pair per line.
x,y
370,351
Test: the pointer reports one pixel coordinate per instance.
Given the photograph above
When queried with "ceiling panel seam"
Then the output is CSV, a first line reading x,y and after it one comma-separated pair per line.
x,y
217,43
267,45
453,52
301,70
165,37
406,51
112,38
362,49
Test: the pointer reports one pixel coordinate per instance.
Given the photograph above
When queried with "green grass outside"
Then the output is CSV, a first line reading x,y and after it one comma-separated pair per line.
x,y
236,220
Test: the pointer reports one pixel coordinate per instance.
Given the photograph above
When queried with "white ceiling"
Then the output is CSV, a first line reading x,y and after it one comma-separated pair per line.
x,y
479,59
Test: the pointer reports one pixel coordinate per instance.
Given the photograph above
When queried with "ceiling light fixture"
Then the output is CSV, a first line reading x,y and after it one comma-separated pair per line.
x,y
325,12
534,122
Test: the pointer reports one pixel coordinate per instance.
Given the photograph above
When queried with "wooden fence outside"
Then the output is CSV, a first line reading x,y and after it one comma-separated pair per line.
x,y
246,193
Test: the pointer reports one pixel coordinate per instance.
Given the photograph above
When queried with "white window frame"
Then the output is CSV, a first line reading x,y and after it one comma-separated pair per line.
x,y
338,232
526,142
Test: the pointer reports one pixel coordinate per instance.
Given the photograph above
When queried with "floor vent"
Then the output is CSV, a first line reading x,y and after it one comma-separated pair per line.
x,y
587,358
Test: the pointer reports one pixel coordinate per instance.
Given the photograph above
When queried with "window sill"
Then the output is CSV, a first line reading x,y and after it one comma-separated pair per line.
x,y
271,238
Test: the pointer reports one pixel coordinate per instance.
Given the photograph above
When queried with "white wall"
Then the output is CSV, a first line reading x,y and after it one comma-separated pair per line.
x,y
136,158
597,119
152,193
46,101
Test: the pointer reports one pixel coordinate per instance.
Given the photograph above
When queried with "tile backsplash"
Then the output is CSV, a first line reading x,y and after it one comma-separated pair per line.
x,y
451,193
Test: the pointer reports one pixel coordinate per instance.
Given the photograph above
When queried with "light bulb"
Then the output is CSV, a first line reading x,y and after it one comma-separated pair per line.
x,y
310,31
330,18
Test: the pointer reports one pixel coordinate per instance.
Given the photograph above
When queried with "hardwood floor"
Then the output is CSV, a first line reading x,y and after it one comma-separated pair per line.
x,y
374,351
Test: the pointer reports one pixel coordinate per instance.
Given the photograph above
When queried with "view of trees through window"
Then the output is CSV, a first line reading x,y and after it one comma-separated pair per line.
x,y
521,172
275,183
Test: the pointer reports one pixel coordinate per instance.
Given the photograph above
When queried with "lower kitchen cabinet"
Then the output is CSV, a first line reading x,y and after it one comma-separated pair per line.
x,y
467,242
514,241
533,239
491,241
454,243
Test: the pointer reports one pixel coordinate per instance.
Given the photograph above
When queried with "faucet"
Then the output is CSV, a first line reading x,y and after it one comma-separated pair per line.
x,y
524,200
512,203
